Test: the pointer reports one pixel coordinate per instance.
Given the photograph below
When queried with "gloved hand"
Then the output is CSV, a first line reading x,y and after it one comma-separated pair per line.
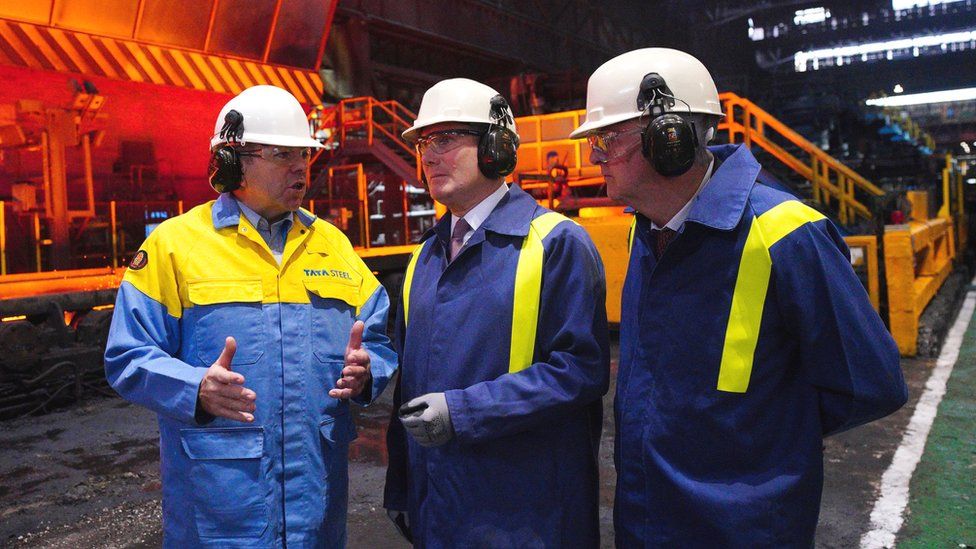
x,y
427,419
401,521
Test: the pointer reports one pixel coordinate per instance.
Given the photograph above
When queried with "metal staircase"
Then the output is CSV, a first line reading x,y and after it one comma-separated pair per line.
x,y
833,186
791,160
366,179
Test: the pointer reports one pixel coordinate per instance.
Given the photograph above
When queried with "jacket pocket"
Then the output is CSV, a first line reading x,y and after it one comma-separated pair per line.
x,y
336,432
228,307
335,304
210,291
225,471
339,430
334,288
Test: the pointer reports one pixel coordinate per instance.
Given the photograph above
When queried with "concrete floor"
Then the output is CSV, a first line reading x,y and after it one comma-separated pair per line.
x,y
88,476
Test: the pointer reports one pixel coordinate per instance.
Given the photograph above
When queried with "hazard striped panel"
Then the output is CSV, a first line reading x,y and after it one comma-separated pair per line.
x,y
41,47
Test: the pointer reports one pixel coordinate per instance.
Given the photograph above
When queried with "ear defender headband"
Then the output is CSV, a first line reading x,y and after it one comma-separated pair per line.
x,y
497,147
668,141
225,172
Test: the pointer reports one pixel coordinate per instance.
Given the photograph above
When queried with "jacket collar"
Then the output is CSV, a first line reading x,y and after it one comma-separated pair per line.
x,y
722,202
511,216
227,213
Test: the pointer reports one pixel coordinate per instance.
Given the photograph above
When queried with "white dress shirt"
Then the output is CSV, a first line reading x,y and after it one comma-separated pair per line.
x,y
679,218
477,215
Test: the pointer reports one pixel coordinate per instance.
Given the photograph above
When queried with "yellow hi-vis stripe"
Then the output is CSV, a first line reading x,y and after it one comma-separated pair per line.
x,y
751,285
630,234
408,278
527,291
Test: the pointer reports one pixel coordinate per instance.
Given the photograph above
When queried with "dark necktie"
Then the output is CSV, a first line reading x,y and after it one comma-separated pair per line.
x,y
662,237
461,228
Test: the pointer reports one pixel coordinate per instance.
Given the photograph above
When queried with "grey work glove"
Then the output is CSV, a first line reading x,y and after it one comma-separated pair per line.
x,y
401,521
427,419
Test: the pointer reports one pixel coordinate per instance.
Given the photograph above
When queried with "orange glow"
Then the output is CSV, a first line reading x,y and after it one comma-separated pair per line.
x,y
78,280
13,318
103,307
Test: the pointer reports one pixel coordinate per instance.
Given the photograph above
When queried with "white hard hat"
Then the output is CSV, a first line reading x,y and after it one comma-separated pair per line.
x,y
272,116
458,100
611,93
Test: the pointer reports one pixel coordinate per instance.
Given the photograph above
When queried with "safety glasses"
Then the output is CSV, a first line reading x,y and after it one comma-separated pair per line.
x,y
443,141
602,145
283,156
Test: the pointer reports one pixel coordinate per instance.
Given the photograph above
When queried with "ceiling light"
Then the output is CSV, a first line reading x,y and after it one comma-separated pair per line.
x,y
801,58
898,88
909,4
965,94
810,16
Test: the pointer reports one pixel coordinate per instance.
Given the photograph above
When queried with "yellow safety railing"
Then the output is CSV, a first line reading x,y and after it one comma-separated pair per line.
x,y
864,259
541,134
918,259
953,200
834,185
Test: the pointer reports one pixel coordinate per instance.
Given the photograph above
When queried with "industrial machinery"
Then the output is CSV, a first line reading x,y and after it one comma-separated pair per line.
x,y
56,292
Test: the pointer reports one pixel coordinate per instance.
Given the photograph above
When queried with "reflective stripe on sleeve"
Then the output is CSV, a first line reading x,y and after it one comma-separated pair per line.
x,y
408,278
528,290
751,286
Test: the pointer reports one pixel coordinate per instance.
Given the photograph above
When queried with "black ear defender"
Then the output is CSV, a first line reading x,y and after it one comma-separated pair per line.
x,y
497,149
225,171
668,141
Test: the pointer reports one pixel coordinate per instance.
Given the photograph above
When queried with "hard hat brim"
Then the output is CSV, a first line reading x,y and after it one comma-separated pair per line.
x,y
410,135
281,141
588,127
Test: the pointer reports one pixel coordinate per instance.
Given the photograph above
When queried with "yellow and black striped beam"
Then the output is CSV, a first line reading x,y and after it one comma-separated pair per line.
x,y
48,48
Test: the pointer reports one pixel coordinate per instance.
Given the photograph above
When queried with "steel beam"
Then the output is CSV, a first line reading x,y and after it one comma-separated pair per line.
x,y
544,35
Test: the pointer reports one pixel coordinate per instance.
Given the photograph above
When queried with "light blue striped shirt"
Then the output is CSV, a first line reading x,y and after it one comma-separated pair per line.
x,y
274,234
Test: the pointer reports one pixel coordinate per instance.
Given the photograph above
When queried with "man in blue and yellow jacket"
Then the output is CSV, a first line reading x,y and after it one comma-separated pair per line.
x,y
247,324
745,334
505,351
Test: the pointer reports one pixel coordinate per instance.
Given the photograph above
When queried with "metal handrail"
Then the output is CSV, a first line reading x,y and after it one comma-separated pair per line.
x,y
368,106
830,178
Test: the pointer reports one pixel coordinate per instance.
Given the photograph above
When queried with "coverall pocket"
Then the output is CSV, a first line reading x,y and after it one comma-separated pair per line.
x,y
225,470
337,432
335,304
228,307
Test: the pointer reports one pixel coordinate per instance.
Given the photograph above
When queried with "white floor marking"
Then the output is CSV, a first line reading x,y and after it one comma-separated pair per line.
x,y
888,514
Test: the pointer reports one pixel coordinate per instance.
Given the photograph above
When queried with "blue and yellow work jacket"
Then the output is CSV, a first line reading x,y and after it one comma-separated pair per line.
x,y
740,349
523,383
206,275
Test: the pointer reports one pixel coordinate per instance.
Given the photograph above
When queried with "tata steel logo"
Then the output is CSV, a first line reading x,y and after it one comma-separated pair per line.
x,y
334,273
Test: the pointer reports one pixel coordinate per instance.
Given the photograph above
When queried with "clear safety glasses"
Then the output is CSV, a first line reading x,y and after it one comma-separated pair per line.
x,y
283,156
443,141
602,145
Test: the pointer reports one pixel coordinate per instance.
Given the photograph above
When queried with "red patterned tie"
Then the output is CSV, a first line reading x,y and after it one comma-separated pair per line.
x,y
662,238
461,228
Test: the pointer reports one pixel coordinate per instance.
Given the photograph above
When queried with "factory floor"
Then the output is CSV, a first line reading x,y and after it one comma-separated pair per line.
x,y
88,476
